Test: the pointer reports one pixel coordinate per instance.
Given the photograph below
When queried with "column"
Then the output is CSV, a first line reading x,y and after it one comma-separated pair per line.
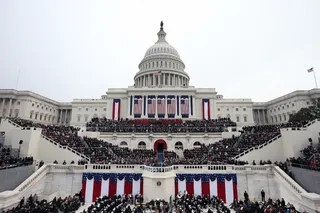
x,y
259,120
263,117
154,80
164,79
9,107
60,118
129,98
2,106
65,116
159,79
190,105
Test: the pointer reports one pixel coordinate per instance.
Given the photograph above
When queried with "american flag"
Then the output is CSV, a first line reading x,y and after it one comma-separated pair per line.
x,y
138,105
171,106
184,106
151,105
161,105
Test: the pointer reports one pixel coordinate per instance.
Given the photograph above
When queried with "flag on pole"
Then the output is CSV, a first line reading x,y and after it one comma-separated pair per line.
x,y
310,70
157,73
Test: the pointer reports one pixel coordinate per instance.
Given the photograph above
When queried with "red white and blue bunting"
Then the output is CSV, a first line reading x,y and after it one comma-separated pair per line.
x,y
95,185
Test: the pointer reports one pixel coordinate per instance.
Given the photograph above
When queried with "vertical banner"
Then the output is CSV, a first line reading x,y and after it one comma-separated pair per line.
x,y
137,106
161,106
184,106
205,109
171,106
116,109
151,106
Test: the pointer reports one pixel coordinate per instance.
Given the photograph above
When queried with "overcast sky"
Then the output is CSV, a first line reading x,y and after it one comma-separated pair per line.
x,y
70,49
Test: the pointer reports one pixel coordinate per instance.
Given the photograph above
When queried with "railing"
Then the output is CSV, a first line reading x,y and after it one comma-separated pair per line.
x,y
257,147
311,122
14,124
158,169
65,147
289,181
139,168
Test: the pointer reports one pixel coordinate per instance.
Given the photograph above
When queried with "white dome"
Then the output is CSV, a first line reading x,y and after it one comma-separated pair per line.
x,y
161,48
161,60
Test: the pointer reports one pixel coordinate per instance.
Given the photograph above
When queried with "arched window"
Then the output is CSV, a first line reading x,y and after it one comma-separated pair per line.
x,y
142,145
197,144
178,145
123,144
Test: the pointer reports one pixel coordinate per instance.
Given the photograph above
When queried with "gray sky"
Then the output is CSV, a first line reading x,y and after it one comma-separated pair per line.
x,y
70,49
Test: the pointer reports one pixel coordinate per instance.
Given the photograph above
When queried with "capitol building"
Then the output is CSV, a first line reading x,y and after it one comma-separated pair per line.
x,y
160,89
209,158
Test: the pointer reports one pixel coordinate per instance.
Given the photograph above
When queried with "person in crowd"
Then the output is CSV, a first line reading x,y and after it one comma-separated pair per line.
x,y
57,205
263,194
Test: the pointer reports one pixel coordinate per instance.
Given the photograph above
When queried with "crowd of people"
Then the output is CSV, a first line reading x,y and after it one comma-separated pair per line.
x,y
224,151
115,204
188,203
57,205
162,125
263,206
7,160
102,152
309,159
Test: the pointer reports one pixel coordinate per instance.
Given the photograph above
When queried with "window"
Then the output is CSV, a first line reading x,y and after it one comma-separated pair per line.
x,y
292,104
244,109
45,118
40,117
79,109
284,117
282,107
18,103
37,106
36,117
245,118
78,118
33,105
227,109
31,114
42,107
237,109
104,109
218,109
86,118
95,109
87,109
238,119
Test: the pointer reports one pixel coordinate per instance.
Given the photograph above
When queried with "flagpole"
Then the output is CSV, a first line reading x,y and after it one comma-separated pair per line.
x,y
17,80
315,79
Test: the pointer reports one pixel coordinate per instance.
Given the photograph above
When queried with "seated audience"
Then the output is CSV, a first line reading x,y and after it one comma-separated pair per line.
x,y
57,205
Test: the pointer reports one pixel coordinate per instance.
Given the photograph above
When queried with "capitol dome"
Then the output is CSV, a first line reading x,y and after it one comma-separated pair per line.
x,y
161,66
